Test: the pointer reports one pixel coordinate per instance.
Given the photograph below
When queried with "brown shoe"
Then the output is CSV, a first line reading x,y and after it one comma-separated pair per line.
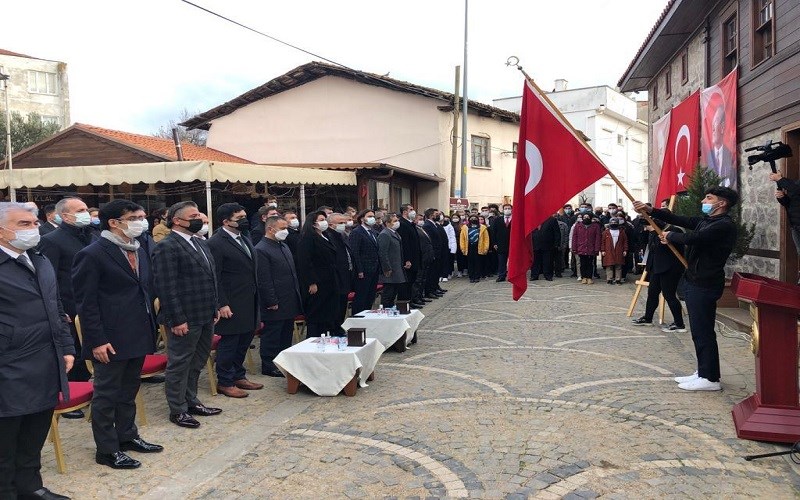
x,y
247,385
232,392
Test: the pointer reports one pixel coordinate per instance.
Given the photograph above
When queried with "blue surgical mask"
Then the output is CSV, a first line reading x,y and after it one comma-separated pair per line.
x,y
95,221
82,219
57,219
708,208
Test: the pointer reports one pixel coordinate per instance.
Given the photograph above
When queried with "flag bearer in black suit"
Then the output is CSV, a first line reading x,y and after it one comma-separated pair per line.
x,y
187,286
235,259
111,280
36,352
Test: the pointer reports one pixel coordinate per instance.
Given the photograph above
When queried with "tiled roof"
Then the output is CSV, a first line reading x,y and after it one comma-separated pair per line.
x,y
161,146
647,40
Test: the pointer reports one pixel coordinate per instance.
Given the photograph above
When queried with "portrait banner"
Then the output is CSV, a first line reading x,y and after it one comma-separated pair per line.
x,y
718,122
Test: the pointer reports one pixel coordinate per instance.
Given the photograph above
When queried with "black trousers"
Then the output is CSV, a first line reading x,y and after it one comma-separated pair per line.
x,y
389,293
701,303
558,262
542,264
186,356
231,351
474,262
21,441
114,403
418,287
665,284
275,337
365,292
79,372
502,265
588,263
432,276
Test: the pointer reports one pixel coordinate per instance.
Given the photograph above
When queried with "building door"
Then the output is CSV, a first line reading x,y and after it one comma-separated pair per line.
x,y
789,255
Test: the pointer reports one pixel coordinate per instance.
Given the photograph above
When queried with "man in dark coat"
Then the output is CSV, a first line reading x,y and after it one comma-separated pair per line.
x,y
439,243
187,286
257,231
364,245
36,352
344,261
111,281
60,246
49,225
426,262
237,274
279,293
500,233
393,264
546,238
294,231
411,252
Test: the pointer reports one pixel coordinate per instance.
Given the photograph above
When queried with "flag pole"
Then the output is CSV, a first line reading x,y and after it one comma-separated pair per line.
x,y
514,61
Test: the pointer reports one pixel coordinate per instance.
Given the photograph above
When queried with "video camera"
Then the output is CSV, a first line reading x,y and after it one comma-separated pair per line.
x,y
770,152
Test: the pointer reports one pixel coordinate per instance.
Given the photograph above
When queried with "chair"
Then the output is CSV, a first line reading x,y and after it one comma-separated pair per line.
x,y
251,365
299,333
349,309
378,294
80,397
212,375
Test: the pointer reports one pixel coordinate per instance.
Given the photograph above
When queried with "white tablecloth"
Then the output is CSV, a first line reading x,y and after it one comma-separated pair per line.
x,y
326,373
387,329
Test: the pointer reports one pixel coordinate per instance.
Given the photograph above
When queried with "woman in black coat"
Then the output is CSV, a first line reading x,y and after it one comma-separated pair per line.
x,y
316,259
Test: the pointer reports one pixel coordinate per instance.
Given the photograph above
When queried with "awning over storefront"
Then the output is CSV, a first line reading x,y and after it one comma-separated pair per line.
x,y
168,172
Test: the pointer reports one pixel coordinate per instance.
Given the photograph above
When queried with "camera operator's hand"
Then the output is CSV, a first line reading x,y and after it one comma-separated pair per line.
x,y
641,207
775,177
779,193
664,237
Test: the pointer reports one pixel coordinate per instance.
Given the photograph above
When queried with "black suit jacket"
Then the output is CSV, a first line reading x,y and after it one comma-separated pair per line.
x,y
277,281
46,228
114,303
411,244
292,240
547,236
500,233
660,258
237,286
432,230
317,263
60,247
365,251
33,337
344,261
186,283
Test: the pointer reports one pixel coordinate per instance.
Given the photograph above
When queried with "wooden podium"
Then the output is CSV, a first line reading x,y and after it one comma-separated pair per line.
x,y
773,412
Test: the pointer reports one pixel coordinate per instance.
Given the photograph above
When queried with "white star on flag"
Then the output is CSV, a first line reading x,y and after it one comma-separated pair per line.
x,y
681,174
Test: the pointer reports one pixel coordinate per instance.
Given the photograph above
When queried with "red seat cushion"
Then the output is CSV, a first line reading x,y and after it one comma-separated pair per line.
x,y
379,287
351,296
300,318
79,393
154,363
215,342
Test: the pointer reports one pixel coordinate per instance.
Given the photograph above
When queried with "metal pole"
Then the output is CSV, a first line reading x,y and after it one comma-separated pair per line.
x,y
454,159
177,141
208,208
302,203
12,193
464,101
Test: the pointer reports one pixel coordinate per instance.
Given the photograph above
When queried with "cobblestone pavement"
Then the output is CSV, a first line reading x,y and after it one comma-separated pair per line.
x,y
557,395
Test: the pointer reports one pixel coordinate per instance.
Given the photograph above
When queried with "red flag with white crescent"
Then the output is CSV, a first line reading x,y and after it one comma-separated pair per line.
x,y
553,165
683,148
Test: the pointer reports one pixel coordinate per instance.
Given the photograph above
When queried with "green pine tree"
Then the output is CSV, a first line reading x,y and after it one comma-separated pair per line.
x,y
25,132
690,204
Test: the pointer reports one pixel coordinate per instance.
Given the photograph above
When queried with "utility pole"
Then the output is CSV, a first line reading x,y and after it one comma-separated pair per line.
x,y
464,101
12,193
454,159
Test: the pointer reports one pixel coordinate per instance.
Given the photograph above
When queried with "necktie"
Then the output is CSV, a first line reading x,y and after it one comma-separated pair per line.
x,y
508,219
199,250
131,255
25,261
244,245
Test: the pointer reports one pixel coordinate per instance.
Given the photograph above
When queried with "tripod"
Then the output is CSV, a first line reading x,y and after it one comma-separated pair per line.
x,y
794,453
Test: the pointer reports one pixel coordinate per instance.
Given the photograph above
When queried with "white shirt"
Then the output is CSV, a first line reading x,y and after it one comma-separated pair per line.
x,y
11,253
17,256
614,235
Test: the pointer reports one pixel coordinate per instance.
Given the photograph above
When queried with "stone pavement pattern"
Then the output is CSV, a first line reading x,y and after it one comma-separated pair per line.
x,y
557,395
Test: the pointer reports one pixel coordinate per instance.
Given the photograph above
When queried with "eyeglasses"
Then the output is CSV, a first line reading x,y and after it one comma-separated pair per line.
x,y
132,218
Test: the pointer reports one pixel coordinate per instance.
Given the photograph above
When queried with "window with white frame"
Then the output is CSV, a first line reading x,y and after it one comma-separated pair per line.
x,y
42,82
481,150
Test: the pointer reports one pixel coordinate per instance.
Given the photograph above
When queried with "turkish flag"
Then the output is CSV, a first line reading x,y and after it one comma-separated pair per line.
x,y
553,165
683,148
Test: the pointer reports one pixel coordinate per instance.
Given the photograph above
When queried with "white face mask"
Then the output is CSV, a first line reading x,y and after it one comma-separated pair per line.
x,y
273,205
82,219
396,225
136,228
420,223
294,223
322,225
507,212
282,234
369,221
25,239
349,223
145,225
341,227
411,215
203,230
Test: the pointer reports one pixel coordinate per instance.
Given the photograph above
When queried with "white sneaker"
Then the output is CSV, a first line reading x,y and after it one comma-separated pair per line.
x,y
701,384
445,280
689,378
580,279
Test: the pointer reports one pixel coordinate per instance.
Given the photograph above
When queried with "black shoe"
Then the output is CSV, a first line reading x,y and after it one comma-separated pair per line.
x,y
618,282
534,279
441,290
426,299
498,280
610,282
642,321
418,302
415,306
73,415
184,420
559,275
117,460
204,411
549,279
272,373
140,445
42,493
155,379
431,296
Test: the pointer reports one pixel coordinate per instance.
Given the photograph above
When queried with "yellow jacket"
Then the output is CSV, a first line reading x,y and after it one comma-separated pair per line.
x,y
483,240
160,232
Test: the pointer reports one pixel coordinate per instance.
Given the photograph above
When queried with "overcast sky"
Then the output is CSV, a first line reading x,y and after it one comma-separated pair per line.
x,y
134,65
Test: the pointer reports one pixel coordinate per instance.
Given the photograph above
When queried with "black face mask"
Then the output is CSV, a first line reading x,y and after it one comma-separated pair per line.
x,y
242,224
587,221
613,226
473,222
195,225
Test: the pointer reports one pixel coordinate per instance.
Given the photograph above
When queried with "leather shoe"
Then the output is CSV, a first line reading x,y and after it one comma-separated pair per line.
x,y
248,385
441,290
74,414
184,420
416,306
273,373
204,411
117,460
155,379
43,493
232,392
140,445
431,296
426,300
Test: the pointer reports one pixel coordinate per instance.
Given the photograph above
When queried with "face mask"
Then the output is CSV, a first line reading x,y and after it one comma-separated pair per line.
x,y
349,223
57,219
456,220
568,211
322,225
135,228
708,208
95,221
612,211
613,225
507,212
203,230
446,222
420,223
473,222
25,239
485,214
145,225
82,219
412,214
294,223
370,221
587,221
195,225
341,227
273,205
242,224
396,226
282,234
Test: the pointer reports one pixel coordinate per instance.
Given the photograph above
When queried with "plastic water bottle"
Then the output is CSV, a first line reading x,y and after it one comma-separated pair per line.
x,y
342,343
380,309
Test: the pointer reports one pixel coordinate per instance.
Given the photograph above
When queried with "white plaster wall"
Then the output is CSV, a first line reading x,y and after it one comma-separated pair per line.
x,y
24,102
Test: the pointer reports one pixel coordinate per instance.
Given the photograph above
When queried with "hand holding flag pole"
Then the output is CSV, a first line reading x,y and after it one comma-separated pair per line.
x,y
514,61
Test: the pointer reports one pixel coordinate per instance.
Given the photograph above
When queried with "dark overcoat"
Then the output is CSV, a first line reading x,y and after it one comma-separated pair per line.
x,y
237,283
277,281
